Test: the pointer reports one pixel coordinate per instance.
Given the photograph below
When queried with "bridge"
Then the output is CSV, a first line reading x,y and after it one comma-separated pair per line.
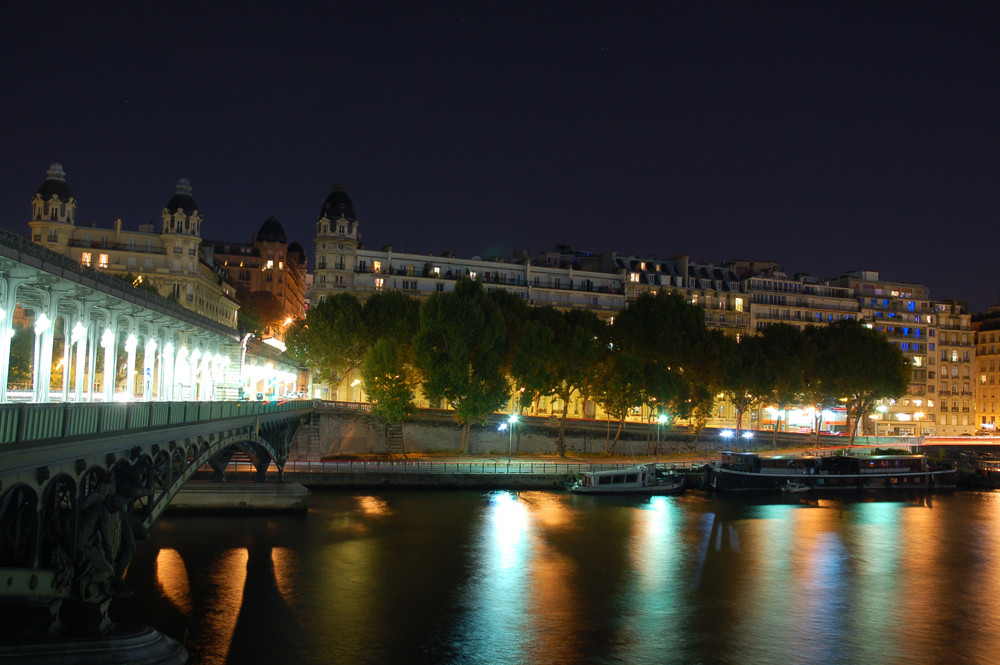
x,y
148,394
81,485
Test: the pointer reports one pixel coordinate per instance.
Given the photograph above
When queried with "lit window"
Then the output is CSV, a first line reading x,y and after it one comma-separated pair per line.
x,y
379,283
85,259
376,267
270,264
102,260
633,277
738,304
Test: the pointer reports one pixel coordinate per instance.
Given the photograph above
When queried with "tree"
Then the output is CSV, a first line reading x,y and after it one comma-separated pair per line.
x,y
707,375
22,349
260,313
387,372
785,350
459,350
580,342
748,377
533,364
618,389
332,339
387,381
818,389
515,316
863,367
665,333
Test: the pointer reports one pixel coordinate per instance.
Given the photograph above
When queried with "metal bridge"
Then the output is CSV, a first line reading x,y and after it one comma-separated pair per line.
x,y
81,485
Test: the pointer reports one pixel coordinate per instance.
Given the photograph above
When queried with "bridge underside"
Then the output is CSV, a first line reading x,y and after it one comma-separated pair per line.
x,y
69,527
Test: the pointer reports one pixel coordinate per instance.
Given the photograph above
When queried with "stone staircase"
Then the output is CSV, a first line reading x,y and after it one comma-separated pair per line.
x,y
394,434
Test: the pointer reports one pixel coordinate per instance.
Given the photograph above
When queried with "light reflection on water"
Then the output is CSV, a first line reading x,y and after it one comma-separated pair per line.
x,y
545,577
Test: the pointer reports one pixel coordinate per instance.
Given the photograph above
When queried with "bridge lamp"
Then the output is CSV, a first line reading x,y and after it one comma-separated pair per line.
x,y
79,332
130,343
107,339
726,434
150,347
41,324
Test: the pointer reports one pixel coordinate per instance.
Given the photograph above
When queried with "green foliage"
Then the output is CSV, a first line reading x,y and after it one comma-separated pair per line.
x,y
260,312
22,349
748,377
138,282
387,381
860,366
332,339
460,349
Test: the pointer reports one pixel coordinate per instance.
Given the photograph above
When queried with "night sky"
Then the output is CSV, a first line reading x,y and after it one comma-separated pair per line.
x,y
829,136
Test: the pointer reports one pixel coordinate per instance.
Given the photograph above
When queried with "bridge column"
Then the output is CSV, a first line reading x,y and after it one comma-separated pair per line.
x,y
130,346
66,358
41,369
109,342
79,339
148,362
181,373
91,358
167,372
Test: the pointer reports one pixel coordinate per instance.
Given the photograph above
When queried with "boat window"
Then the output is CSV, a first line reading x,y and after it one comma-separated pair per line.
x,y
605,480
632,477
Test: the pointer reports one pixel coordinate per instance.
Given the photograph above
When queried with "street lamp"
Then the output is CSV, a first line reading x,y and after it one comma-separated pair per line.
x,y
660,421
509,426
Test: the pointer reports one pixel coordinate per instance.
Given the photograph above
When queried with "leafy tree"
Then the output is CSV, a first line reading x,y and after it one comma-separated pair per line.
x,y
580,343
666,333
707,375
332,340
785,350
863,367
459,350
138,282
387,372
819,390
618,389
22,349
533,365
260,313
515,316
387,381
748,377
392,315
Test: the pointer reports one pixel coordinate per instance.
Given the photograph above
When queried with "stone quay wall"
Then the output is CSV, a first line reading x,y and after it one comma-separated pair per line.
x,y
336,432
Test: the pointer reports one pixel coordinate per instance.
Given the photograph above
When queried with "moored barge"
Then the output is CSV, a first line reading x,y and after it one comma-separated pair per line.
x,y
755,472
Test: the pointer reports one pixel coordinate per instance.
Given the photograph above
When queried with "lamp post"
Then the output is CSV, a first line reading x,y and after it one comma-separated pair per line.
x,y
660,420
511,421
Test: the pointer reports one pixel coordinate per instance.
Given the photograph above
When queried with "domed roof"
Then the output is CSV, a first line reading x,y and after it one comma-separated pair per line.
x,y
296,248
338,205
55,185
182,199
271,231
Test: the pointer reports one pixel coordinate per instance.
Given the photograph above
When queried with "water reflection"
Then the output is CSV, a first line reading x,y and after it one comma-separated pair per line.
x,y
541,577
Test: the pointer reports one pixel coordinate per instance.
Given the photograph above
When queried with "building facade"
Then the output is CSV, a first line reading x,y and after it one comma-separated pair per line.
x,y
172,260
268,264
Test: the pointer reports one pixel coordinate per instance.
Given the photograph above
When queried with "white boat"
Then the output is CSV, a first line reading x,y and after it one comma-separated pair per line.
x,y
792,487
645,479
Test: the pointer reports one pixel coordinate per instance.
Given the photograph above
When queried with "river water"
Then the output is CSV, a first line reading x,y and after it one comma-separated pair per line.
x,y
547,577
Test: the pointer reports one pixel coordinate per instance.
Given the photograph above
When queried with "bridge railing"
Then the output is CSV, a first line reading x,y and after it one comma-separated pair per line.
x,y
67,420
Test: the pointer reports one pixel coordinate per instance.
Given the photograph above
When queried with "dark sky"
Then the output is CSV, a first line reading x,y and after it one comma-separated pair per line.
x,y
829,136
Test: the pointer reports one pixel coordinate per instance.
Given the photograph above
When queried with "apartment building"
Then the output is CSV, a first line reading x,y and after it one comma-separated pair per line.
x,y
951,372
268,263
173,260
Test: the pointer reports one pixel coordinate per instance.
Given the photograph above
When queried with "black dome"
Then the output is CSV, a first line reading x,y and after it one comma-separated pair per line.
x,y
272,231
55,185
182,199
297,249
338,205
